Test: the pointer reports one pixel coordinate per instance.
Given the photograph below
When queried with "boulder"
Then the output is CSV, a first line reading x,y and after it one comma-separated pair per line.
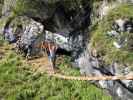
x,y
25,31
119,89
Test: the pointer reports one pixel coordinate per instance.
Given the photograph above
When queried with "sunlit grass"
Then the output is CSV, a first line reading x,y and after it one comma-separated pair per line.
x,y
19,82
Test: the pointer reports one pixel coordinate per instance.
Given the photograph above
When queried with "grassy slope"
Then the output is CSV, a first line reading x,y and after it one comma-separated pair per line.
x,y
19,82
104,44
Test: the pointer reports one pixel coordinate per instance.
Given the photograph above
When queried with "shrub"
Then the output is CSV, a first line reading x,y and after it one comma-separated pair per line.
x,y
104,43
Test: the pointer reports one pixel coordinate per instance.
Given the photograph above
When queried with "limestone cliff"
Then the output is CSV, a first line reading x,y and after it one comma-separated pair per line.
x,y
99,34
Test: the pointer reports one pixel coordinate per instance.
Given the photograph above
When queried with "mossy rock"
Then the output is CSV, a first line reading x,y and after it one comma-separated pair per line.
x,y
5,21
104,44
40,8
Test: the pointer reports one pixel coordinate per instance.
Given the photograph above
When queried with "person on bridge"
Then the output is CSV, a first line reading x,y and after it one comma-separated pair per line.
x,y
50,49
52,53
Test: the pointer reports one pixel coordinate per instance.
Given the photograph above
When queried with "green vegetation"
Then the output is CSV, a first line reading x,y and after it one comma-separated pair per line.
x,y
31,6
22,6
40,7
19,82
104,44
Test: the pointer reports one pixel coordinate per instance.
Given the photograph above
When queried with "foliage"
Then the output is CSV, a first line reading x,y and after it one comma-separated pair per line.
x,y
104,43
40,7
19,82
1,40
23,7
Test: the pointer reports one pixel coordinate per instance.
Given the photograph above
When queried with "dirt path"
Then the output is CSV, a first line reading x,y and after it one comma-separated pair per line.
x,y
41,64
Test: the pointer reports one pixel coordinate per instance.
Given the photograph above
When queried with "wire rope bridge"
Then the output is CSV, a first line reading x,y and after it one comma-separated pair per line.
x,y
92,78
59,75
44,65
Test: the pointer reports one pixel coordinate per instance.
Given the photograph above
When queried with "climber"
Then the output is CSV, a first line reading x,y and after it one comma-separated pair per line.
x,y
50,49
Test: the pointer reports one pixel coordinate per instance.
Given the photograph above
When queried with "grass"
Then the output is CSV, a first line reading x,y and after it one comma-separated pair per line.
x,y
19,82
104,44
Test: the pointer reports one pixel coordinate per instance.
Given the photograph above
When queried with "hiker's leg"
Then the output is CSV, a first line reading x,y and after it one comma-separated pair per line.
x,y
54,55
48,54
52,58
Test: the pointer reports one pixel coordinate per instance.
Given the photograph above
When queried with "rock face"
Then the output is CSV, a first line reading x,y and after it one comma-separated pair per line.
x,y
92,66
68,21
27,33
120,29
60,13
60,16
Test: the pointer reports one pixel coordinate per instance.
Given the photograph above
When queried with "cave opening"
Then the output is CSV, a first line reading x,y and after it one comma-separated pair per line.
x,y
63,52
